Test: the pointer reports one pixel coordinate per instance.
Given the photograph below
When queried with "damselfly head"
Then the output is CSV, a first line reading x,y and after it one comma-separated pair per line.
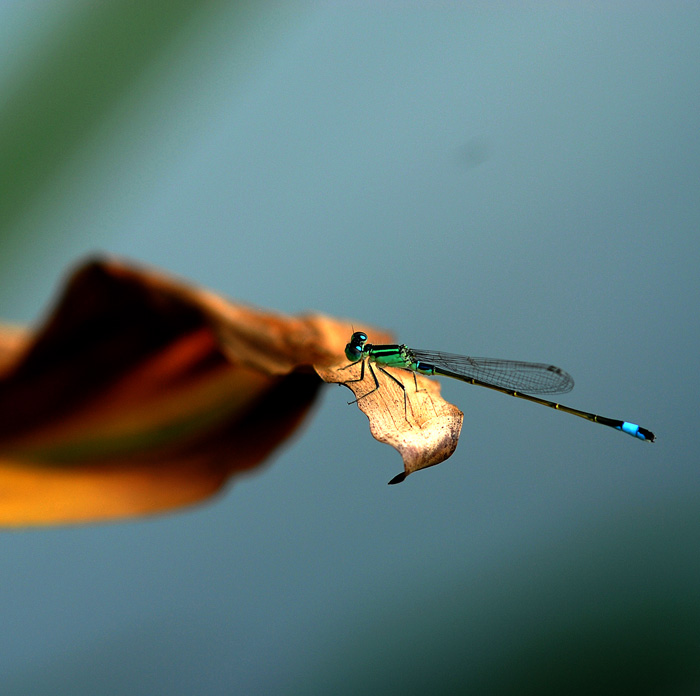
x,y
353,350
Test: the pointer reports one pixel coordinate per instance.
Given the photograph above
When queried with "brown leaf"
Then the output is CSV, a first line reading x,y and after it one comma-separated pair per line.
x,y
416,420
142,393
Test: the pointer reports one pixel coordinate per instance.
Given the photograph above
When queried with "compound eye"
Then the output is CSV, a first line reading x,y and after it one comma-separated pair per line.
x,y
353,351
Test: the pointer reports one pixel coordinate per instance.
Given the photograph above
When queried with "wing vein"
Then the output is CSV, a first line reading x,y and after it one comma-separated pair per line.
x,y
526,377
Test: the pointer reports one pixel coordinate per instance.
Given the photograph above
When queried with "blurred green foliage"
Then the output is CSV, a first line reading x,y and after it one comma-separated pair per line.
x,y
93,56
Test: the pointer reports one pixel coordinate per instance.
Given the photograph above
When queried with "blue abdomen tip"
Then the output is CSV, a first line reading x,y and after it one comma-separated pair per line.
x,y
631,429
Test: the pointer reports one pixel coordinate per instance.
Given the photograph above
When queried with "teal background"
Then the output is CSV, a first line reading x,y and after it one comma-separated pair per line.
x,y
477,177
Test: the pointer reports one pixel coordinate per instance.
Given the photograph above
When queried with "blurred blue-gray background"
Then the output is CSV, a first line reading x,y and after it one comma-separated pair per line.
x,y
478,178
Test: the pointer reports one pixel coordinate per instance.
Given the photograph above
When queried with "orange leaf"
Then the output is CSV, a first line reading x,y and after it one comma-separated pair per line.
x,y
142,393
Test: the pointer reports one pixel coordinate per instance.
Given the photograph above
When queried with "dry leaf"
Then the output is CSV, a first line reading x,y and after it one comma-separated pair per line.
x,y
417,422
142,393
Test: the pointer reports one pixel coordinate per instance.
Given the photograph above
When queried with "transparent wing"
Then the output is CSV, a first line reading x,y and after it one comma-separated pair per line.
x,y
527,377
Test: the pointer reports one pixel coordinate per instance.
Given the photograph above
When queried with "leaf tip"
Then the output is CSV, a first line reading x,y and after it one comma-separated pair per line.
x,y
398,478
